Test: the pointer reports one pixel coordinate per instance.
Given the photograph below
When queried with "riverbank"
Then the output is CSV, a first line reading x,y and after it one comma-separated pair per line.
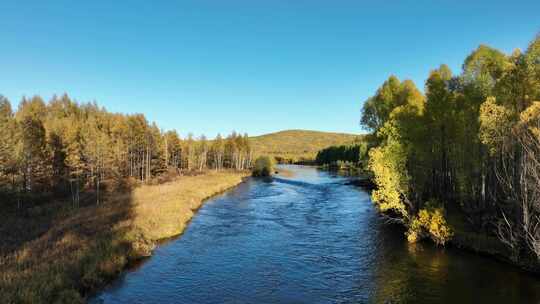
x,y
310,238
80,250
467,238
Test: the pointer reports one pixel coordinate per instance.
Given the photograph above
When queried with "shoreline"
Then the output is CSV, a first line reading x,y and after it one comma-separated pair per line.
x,y
186,217
136,261
484,246
141,220
83,250
464,239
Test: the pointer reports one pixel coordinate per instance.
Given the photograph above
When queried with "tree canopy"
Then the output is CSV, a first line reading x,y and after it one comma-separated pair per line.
x,y
470,146
62,147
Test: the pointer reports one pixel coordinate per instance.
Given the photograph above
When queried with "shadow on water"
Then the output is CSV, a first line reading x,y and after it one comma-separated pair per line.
x,y
425,273
302,183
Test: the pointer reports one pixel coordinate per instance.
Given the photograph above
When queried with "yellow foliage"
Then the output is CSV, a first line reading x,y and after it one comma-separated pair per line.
x,y
388,165
438,228
531,118
430,222
495,124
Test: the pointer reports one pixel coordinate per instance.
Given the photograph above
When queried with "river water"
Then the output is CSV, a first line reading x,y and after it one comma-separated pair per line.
x,y
310,238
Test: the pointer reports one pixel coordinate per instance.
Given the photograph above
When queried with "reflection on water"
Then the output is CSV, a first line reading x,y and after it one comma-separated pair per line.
x,y
310,238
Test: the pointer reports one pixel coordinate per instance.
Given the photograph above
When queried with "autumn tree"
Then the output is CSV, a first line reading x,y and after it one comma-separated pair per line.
x,y
62,148
470,147
218,151
8,140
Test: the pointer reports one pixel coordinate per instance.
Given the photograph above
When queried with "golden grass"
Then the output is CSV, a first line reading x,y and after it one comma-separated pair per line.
x,y
85,248
298,145
162,211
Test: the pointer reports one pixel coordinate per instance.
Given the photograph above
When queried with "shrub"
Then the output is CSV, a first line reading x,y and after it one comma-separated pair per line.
x,y
430,222
264,166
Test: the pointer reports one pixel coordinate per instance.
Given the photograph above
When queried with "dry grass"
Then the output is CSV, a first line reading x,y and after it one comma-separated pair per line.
x,y
162,211
298,145
81,250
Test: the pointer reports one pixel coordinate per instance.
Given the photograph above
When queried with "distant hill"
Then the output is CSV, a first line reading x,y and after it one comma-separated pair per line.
x,y
298,145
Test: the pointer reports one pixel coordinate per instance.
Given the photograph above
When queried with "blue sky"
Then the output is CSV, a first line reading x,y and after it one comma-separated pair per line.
x,y
250,66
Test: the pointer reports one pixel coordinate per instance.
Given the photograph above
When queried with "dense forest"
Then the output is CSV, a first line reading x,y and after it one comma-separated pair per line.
x,y
469,145
62,148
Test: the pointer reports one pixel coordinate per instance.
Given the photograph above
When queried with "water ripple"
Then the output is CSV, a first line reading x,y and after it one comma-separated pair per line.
x,y
310,238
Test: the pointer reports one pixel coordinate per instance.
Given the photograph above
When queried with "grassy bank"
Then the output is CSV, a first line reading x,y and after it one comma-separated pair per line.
x,y
65,254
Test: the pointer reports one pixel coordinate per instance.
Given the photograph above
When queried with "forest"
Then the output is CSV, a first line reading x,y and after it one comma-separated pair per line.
x,y
467,147
334,156
65,149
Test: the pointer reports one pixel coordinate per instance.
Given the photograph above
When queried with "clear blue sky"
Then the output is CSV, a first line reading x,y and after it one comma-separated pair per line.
x,y
252,66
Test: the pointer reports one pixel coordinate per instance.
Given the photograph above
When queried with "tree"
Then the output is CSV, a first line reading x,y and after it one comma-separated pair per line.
x,y
173,149
391,162
376,109
263,166
97,151
8,141
189,147
73,148
470,147
63,148
218,151
442,121
31,152
202,152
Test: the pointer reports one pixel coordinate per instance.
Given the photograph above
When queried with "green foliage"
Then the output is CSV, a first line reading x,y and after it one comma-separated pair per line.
x,y
376,109
389,160
354,153
472,144
264,166
482,68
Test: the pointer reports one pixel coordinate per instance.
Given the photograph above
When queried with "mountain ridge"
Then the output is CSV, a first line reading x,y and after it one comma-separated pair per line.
x,y
294,145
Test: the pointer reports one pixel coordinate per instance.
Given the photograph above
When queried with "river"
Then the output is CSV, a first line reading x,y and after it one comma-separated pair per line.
x,y
310,238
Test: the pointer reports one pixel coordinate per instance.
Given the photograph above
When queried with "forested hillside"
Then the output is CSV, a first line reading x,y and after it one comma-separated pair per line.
x,y
60,148
466,151
298,145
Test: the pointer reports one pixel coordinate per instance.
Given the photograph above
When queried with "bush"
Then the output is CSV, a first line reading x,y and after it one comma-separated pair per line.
x,y
264,166
430,222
